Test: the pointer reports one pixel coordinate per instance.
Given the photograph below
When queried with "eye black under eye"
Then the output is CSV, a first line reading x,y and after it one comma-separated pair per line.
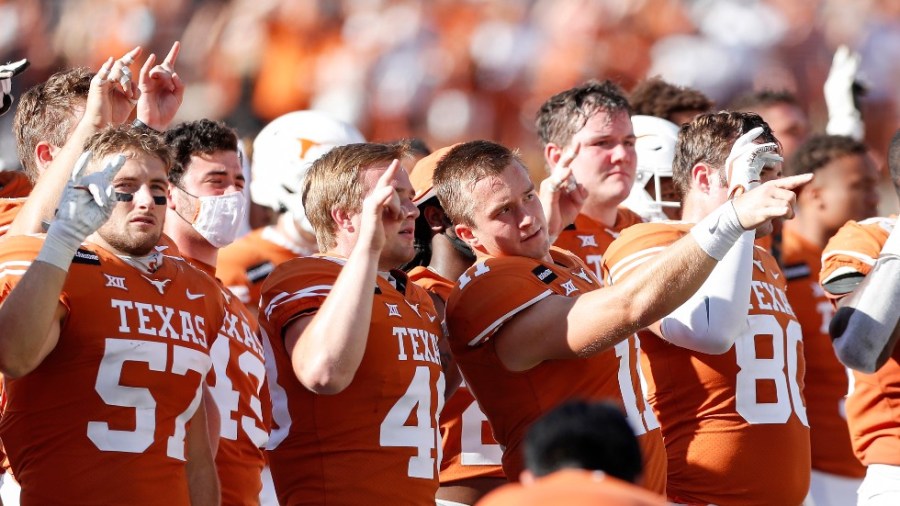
x,y
128,197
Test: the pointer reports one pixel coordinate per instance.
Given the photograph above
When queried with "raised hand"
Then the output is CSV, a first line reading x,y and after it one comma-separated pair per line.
x,y
843,117
86,204
746,161
113,94
162,91
773,199
561,196
383,203
7,72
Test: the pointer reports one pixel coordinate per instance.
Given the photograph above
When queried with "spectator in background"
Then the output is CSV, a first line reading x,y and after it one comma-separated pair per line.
x,y
782,111
679,104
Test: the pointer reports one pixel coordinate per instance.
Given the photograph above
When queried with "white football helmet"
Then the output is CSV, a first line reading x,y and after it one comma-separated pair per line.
x,y
283,152
655,146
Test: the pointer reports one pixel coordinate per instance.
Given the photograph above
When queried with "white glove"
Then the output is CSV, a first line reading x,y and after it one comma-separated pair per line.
x,y
86,204
843,118
7,72
747,159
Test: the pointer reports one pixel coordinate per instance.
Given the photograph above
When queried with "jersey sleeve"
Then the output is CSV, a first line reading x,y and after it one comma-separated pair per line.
x,y
475,312
296,288
16,255
851,253
636,246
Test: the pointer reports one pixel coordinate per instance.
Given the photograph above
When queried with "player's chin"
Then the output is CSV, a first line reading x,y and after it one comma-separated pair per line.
x,y
144,242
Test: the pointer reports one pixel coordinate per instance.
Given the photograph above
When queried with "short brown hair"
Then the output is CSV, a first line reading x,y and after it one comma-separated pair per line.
x,y
565,113
708,138
655,97
127,139
334,181
461,168
46,113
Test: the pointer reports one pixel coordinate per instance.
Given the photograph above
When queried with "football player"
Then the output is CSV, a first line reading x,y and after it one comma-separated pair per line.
x,y
106,342
530,326
204,213
845,188
588,129
860,270
725,382
594,119
352,346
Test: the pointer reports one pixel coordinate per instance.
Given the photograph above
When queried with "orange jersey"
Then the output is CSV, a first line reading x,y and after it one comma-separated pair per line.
x,y
244,264
375,442
573,487
13,184
735,424
470,450
236,382
9,209
495,290
872,402
588,239
103,418
828,433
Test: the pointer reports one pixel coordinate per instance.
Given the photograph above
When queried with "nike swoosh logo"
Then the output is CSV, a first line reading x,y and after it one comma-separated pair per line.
x,y
714,226
706,303
193,296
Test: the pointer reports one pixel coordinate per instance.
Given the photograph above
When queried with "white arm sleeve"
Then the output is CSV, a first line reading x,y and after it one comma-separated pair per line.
x,y
864,328
716,314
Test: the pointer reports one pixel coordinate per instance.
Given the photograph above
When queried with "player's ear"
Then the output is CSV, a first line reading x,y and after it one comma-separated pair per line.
x,y
465,233
704,177
170,202
44,152
552,153
342,218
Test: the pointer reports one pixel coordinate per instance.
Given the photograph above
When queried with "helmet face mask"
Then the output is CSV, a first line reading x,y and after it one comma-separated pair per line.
x,y
284,151
655,146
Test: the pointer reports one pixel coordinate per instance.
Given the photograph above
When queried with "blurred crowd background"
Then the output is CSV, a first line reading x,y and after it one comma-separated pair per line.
x,y
451,70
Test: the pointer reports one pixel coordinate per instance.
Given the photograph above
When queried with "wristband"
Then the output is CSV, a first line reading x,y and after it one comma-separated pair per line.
x,y
57,251
140,125
718,232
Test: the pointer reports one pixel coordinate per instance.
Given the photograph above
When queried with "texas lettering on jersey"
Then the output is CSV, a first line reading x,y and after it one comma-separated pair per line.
x,y
116,394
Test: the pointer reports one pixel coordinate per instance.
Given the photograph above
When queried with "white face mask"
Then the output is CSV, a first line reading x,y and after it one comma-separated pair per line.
x,y
219,218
